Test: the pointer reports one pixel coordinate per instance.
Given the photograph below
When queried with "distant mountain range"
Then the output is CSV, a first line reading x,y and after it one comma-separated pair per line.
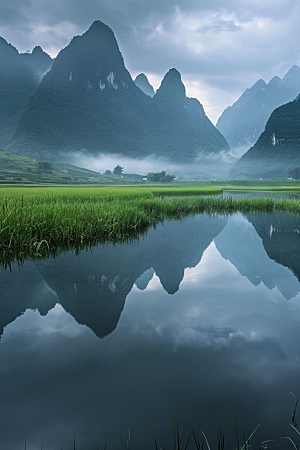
x,y
241,243
20,75
277,150
93,286
143,83
244,121
280,235
88,103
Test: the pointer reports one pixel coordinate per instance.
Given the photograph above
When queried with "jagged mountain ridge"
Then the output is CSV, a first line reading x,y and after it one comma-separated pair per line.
x,y
20,74
143,83
278,148
89,102
280,234
244,121
93,287
241,244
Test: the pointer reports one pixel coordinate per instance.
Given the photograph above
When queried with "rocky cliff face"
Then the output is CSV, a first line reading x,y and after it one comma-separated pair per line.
x,y
244,121
277,151
20,75
89,103
143,83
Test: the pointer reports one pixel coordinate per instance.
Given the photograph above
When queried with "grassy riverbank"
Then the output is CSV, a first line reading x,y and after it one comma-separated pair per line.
x,y
37,222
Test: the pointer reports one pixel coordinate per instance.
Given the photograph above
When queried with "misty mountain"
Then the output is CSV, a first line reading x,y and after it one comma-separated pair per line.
x,y
245,120
280,234
89,103
143,83
93,286
240,243
20,75
277,150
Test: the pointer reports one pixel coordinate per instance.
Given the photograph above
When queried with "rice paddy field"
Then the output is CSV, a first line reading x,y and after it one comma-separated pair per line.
x,y
37,222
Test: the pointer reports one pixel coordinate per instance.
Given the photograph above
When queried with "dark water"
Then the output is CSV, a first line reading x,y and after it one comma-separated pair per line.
x,y
197,314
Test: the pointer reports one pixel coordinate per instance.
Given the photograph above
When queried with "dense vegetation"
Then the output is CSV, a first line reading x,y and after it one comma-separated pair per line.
x,y
45,221
160,177
19,169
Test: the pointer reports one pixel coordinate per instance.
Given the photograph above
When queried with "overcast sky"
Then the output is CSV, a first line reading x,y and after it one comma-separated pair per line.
x,y
221,47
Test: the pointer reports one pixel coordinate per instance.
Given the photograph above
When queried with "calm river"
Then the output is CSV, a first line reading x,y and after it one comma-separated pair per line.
x,y
199,313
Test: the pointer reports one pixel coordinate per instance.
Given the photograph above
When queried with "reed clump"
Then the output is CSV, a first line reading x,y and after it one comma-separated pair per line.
x,y
39,222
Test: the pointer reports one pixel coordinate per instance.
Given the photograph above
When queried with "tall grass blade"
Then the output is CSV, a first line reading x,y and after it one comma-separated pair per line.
x,y
205,440
245,446
178,436
198,445
187,442
263,446
294,420
118,444
294,428
236,428
287,437
221,440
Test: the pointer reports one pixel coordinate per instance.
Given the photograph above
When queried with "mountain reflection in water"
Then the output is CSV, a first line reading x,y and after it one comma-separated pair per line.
x,y
93,287
211,314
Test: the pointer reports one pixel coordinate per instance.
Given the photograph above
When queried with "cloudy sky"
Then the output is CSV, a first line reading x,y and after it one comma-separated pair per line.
x,y
221,47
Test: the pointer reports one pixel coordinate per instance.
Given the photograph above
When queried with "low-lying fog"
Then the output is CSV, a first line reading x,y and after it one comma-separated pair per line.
x,y
212,166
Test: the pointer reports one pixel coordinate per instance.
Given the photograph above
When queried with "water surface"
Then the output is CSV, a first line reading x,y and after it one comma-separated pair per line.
x,y
275,195
199,312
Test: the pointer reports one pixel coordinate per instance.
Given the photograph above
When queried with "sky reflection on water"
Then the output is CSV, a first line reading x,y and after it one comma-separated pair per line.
x,y
230,332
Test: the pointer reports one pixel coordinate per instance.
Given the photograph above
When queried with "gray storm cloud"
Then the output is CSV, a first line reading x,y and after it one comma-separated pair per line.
x,y
222,46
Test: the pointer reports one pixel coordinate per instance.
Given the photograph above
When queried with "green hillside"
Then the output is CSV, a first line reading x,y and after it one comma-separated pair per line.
x,y
19,169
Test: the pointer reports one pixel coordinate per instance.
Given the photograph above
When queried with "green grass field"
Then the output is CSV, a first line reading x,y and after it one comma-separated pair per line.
x,y
42,221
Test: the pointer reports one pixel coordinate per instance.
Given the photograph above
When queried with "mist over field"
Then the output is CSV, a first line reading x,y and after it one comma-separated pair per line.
x,y
208,166
105,162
